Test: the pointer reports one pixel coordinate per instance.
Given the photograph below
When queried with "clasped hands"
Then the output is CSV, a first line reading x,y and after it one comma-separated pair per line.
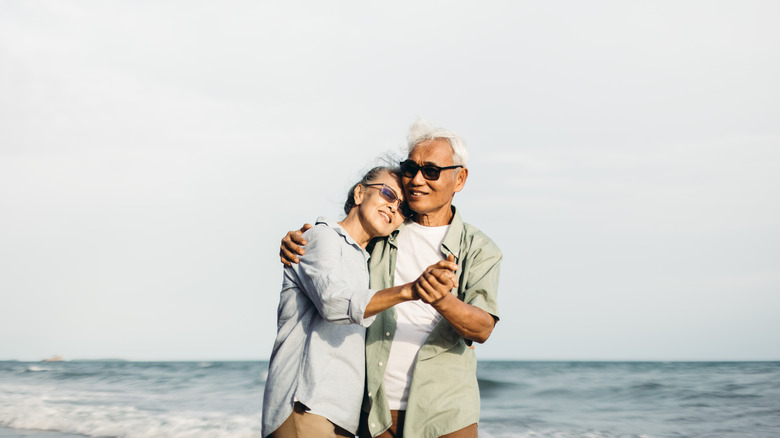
x,y
435,284
432,286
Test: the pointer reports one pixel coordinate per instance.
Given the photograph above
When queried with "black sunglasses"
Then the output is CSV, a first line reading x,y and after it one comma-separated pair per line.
x,y
430,172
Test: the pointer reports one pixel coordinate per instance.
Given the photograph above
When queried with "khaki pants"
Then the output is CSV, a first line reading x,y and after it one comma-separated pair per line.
x,y
301,424
397,428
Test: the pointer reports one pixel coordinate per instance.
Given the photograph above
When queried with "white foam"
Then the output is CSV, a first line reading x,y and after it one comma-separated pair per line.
x,y
24,407
486,432
36,368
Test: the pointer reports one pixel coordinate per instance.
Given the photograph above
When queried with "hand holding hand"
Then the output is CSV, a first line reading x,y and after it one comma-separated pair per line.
x,y
291,245
436,283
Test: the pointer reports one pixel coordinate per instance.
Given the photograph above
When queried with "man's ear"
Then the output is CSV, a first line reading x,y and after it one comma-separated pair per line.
x,y
359,193
460,179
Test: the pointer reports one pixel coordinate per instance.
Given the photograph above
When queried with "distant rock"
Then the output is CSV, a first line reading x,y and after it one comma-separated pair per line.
x,y
55,358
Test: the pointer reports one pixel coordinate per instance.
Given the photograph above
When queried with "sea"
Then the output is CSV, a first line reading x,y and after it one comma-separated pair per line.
x,y
519,399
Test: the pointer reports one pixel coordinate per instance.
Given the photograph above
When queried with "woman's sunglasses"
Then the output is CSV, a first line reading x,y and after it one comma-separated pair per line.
x,y
387,193
430,172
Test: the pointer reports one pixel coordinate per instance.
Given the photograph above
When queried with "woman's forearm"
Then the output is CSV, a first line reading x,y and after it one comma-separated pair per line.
x,y
387,298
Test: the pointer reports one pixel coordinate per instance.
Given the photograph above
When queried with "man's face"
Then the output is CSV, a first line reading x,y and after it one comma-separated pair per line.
x,y
433,198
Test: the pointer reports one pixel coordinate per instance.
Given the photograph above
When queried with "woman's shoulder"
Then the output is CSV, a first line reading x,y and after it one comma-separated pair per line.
x,y
323,232
326,241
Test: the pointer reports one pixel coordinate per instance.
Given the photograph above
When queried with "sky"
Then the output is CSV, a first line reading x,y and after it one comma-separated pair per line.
x,y
625,156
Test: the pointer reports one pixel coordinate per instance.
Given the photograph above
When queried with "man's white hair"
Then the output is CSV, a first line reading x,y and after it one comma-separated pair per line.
x,y
422,131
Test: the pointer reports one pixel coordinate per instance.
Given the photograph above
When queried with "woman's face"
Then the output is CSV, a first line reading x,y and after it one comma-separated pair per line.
x,y
377,213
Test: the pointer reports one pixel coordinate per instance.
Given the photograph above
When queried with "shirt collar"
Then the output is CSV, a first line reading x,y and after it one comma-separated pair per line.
x,y
451,239
392,238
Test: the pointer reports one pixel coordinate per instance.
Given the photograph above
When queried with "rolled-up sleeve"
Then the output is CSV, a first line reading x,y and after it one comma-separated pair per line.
x,y
329,277
484,268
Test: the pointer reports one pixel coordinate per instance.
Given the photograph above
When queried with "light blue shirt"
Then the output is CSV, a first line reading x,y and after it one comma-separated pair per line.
x,y
318,358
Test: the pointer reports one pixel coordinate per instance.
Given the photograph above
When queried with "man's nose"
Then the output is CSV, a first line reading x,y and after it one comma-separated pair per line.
x,y
418,179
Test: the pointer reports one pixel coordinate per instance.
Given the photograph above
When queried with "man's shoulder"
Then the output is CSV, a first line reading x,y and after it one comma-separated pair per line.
x,y
477,240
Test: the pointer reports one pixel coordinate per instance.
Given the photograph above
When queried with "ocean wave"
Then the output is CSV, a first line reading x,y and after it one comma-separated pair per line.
x,y
491,384
555,433
37,369
700,395
554,393
55,413
67,375
648,386
519,399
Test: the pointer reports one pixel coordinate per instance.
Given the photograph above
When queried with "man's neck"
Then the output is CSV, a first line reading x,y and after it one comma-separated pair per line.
x,y
436,219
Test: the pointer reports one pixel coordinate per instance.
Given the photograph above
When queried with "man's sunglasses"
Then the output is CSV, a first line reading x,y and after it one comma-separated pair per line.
x,y
430,172
387,193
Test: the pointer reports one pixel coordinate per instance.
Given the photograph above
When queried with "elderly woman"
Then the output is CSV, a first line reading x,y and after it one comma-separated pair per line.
x,y
317,369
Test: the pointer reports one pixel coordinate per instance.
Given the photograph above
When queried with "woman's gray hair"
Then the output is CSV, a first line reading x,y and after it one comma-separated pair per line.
x,y
370,176
422,131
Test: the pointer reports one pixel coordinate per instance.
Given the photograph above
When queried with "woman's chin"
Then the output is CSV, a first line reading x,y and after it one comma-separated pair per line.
x,y
384,228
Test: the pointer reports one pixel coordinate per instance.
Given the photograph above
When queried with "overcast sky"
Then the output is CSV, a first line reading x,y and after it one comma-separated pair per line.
x,y
625,157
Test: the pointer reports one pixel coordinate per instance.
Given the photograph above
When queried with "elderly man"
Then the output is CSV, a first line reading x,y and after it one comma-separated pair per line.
x,y
421,373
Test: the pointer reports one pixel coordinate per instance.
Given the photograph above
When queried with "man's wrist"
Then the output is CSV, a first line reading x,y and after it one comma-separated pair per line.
x,y
442,303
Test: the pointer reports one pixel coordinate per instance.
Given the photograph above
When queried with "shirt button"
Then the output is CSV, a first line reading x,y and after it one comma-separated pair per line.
x,y
373,424
380,364
387,333
369,394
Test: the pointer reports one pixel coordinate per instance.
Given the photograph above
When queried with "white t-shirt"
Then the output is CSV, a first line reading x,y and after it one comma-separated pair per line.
x,y
418,248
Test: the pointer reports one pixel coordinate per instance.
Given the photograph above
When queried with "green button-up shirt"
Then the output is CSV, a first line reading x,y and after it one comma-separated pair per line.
x,y
444,396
